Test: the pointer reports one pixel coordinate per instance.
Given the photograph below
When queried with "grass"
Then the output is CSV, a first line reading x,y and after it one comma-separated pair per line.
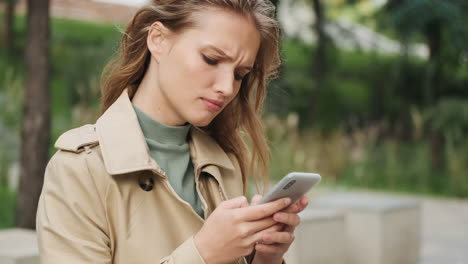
x,y
361,159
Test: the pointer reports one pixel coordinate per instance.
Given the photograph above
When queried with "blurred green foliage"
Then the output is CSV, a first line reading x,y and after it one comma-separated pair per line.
x,y
382,121
79,50
406,166
362,88
361,158
7,206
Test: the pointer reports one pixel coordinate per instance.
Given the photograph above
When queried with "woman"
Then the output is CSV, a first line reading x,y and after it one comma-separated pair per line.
x,y
160,177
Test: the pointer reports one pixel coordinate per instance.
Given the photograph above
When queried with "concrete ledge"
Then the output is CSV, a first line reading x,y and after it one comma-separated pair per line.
x,y
378,229
18,246
319,238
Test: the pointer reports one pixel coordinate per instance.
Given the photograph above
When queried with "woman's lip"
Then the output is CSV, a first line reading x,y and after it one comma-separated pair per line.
x,y
213,105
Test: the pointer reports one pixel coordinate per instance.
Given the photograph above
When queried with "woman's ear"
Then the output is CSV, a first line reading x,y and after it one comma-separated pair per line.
x,y
157,36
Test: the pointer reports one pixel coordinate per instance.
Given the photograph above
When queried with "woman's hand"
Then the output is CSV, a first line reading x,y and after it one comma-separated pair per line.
x,y
234,228
276,240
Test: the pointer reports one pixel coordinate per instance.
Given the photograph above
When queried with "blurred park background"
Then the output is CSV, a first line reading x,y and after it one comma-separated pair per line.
x,y
373,94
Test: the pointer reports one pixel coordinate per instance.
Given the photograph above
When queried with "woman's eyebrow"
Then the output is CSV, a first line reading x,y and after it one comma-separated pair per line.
x,y
223,54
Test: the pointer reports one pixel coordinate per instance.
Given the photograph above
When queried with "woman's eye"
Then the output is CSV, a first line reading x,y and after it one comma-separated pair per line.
x,y
238,77
210,61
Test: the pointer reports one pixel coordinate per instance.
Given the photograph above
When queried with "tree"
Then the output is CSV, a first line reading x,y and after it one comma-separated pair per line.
x,y
442,26
35,134
320,61
9,25
320,20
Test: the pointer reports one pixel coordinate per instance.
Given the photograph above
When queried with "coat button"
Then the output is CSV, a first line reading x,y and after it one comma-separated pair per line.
x,y
146,183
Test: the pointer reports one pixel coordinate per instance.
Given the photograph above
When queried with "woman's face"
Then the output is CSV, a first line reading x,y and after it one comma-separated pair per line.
x,y
198,72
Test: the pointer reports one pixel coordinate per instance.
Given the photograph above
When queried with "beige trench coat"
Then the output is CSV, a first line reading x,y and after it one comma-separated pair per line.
x,y
105,200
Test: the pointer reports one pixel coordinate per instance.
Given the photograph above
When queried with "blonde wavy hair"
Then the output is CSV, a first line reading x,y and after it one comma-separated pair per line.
x,y
242,115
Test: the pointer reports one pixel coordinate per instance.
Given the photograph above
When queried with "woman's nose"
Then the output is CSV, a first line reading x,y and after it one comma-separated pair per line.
x,y
226,85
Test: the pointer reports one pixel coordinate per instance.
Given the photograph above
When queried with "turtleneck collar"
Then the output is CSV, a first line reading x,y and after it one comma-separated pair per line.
x,y
161,133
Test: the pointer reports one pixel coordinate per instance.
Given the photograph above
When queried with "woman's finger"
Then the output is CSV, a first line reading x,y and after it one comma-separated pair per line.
x,y
287,218
288,228
278,237
256,199
260,225
275,228
298,206
269,249
260,211
304,202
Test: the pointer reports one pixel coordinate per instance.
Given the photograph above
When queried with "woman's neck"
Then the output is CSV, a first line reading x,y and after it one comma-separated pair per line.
x,y
151,101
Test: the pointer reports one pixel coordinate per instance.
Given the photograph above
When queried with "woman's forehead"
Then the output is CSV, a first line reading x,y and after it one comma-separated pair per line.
x,y
228,31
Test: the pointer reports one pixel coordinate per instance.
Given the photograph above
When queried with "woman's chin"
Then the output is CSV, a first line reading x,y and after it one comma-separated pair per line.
x,y
201,122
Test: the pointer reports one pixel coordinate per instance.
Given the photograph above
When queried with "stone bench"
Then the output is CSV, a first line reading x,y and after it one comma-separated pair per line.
x,y
18,246
335,229
378,229
319,238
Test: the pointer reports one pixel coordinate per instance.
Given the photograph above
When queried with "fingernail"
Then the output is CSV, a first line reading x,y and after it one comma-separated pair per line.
x,y
287,201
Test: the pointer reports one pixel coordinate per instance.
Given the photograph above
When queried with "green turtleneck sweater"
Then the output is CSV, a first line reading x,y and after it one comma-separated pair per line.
x,y
168,146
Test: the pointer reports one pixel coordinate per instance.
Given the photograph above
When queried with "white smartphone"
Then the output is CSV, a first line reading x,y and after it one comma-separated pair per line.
x,y
294,185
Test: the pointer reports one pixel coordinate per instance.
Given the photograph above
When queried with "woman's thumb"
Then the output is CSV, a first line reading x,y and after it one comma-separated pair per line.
x,y
234,203
256,199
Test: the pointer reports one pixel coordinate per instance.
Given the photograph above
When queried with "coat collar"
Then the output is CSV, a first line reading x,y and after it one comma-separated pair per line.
x,y
124,148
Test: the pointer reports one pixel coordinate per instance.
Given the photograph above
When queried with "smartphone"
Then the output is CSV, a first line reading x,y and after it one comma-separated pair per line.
x,y
294,185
